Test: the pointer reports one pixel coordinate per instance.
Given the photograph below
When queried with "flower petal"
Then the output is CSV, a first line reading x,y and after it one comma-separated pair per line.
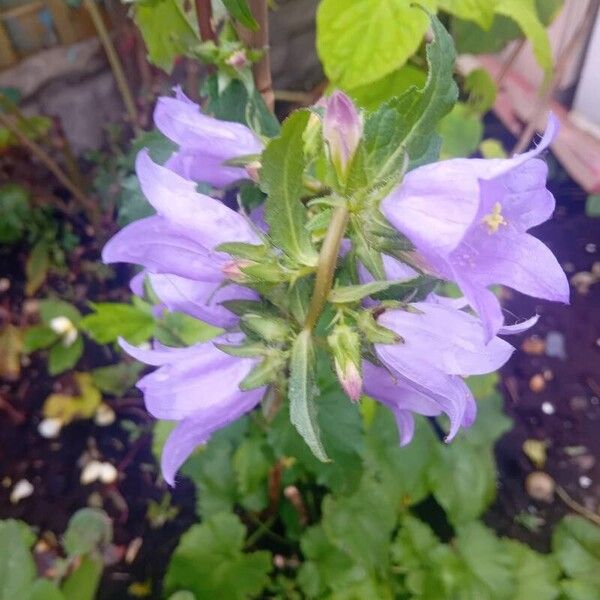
x,y
519,327
177,200
197,167
162,247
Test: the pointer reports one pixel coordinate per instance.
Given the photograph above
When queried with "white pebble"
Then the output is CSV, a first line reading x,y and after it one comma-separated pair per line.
x,y
98,471
50,428
548,408
590,248
108,473
23,489
105,415
585,482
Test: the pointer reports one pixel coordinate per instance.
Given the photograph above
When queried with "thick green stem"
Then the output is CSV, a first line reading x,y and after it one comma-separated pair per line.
x,y
326,267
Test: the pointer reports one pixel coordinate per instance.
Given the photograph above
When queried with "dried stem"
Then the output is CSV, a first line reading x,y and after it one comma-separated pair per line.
x,y
204,16
37,151
575,506
326,267
259,40
114,61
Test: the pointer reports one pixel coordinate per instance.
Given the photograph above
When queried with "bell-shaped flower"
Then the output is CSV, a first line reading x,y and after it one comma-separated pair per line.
x,y
424,374
468,218
342,130
205,143
176,247
198,386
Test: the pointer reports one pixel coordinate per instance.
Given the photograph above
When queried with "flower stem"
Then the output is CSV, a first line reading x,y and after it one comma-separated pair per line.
x,y
326,267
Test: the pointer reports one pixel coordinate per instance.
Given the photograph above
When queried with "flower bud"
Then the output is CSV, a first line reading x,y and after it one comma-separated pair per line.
x,y
345,346
342,129
238,60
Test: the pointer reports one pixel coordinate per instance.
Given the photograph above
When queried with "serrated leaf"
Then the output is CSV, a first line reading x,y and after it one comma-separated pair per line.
x,y
111,320
282,179
210,563
179,329
117,379
302,393
239,10
251,464
361,41
61,358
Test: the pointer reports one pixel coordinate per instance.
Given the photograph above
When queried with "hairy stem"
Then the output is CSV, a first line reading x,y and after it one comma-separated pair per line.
x,y
114,62
204,16
326,267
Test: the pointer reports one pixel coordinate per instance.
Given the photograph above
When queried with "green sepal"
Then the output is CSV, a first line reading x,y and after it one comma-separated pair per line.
x,y
244,250
265,273
245,350
268,371
375,333
270,329
353,293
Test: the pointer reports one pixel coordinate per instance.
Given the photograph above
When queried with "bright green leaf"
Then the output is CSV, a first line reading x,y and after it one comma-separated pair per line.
x,y
61,358
43,589
36,267
52,308
480,11
17,567
461,130
38,337
239,10
110,321
83,582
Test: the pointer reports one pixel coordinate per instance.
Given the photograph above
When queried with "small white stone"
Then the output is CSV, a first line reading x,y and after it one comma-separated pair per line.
x,y
64,327
91,472
50,428
108,473
105,416
585,482
4,284
23,489
548,408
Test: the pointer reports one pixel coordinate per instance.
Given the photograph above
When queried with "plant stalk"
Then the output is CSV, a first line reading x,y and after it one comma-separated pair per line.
x,y
326,267
259,40
114,62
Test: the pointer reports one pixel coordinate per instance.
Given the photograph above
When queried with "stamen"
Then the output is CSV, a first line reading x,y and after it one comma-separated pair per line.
x,y
494,219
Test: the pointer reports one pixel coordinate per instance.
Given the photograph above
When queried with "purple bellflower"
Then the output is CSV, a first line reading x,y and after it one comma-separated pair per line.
x,y
469,218
424,373
176,247
178,391
205,143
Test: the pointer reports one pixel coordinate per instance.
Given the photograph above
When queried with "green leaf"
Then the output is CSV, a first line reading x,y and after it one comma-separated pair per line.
x,y
43,589
363,533
14,212
179,329
592,205
131,202
166,31
482,90
463,479
536,574
38,337
182,595
17,567
61,358
53,307
82,584
117,379
372,95
480,11
354,293
302,393
111,320
488,566
461,130
36,267
282,179
525,14
364,40
89,529
210,563
491,148
576,544
251,464
239,10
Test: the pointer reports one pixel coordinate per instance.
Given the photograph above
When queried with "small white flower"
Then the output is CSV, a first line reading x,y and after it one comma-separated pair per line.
x,y
64,327
105,416
23,489
50,428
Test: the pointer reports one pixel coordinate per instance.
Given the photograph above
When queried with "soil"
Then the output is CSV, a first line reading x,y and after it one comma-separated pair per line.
x,y
565,414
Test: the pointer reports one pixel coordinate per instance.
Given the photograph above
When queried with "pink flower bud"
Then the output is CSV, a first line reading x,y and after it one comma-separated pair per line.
x,y
233,270
351,380
238,60
342,129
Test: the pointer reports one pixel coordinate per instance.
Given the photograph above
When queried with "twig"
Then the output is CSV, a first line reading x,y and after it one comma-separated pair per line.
x,y
292,493
302,98
575,506
204,16
259,40
52,166
115,63
508,63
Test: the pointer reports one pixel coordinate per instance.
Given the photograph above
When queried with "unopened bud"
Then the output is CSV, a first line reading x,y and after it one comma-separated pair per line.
x,y
342,130
252,170
345,346
238,60
233,270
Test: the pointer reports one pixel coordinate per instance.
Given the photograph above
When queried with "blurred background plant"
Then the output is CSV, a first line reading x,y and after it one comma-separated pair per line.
x,y
255,514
